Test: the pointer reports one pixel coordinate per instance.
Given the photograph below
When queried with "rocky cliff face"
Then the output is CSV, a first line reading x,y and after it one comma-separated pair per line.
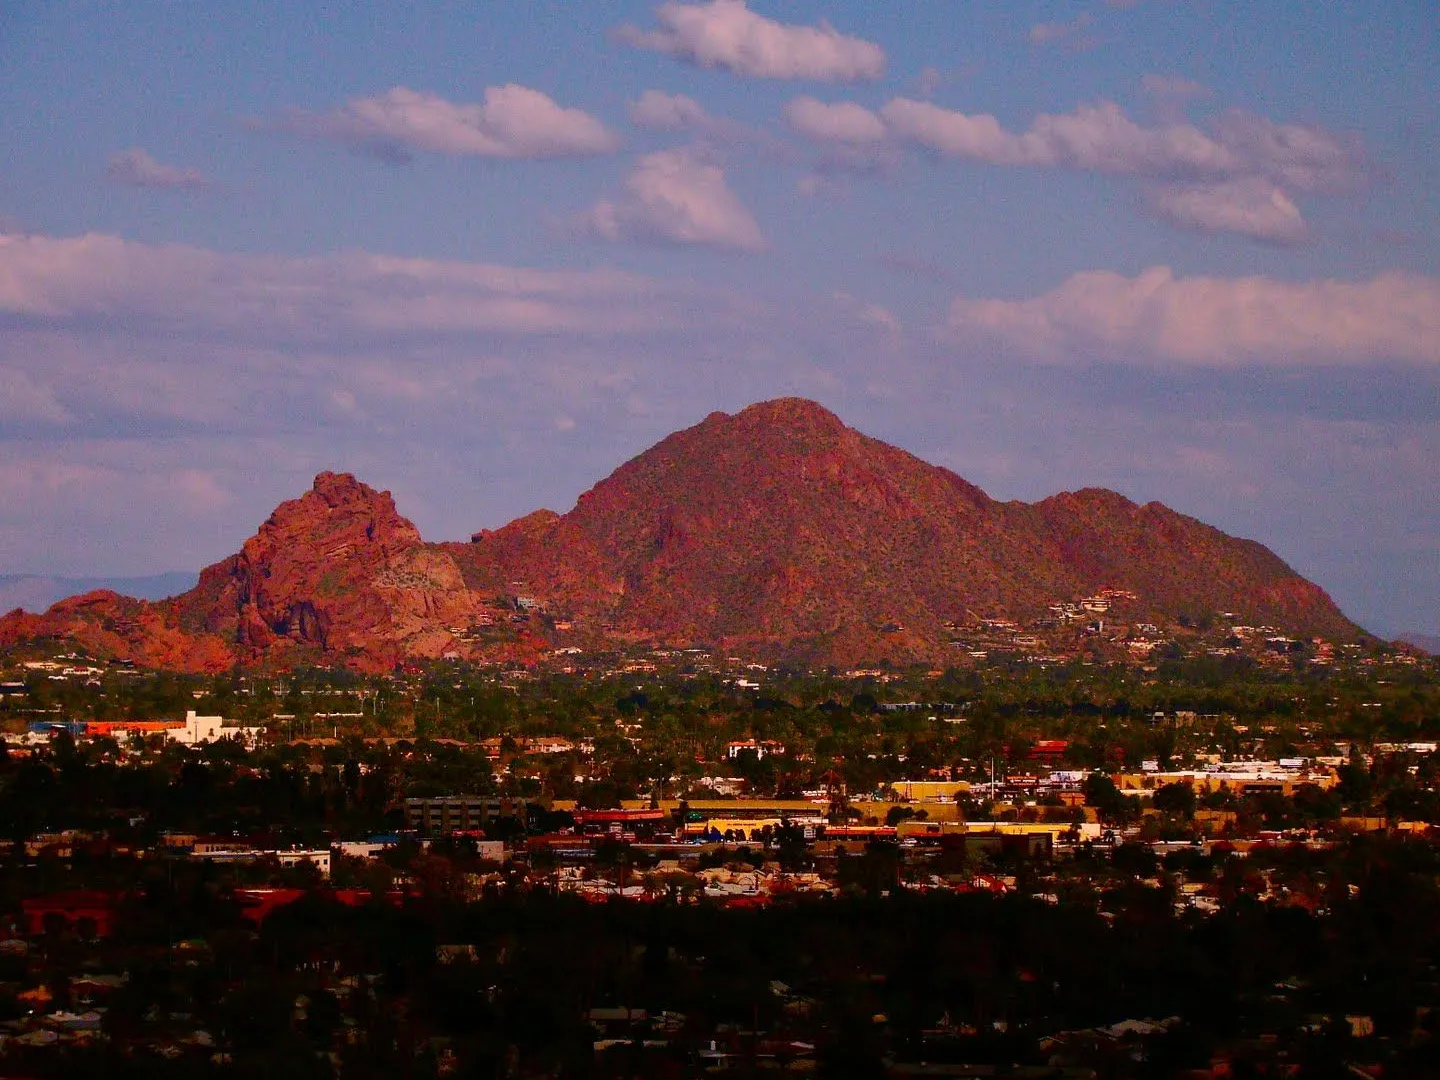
x,y
334,574
107,624
778,529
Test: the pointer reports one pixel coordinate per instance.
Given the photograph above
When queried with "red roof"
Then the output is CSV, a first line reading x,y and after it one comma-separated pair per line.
x,y
602,816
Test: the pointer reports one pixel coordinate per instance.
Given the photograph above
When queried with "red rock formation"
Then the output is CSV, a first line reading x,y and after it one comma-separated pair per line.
x,y
777,529
335,573
782,526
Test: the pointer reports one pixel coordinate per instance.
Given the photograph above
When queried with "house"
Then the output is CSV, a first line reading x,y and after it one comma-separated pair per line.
x,y
89,913
757,747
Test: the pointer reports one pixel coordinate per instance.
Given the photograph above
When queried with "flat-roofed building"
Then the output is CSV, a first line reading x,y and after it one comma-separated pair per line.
x,y
444,814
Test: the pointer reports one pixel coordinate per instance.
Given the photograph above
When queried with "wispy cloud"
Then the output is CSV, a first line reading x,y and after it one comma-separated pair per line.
x,y
676,197
136,168
1238,174
726,34
655,110
512,122
1301,156
842,122
1171,95
136,362
1157,317
1101,138
25,400
99,279
1250,207
1074,34
659,111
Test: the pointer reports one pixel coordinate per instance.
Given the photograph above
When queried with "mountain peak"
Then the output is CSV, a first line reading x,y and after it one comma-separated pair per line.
x,y
340,497
1094,499
337,505
338,489
790,411
781,420
776,529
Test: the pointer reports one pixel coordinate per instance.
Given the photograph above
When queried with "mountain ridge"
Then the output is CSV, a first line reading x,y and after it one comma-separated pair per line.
x,y
778,530
36,592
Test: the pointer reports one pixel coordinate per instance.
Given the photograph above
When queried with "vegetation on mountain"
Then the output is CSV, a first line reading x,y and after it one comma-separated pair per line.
x,y
778,531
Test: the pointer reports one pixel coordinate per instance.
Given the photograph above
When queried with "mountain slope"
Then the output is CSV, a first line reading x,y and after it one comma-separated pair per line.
x,y
337,571
36,592
1429,643
780,524
778,530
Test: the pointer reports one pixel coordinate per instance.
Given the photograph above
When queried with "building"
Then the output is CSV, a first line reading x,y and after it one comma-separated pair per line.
x,y
928,790
445,814
192,731
623,824
203,729
1239,777
89,914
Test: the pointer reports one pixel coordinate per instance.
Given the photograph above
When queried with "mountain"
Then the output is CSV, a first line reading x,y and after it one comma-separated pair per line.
x,y
778,530
1429,643
38,591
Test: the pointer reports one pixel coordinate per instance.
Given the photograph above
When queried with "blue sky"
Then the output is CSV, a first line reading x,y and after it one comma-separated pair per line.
x,y
481,254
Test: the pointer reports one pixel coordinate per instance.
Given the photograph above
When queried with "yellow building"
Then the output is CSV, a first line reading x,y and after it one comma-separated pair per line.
x,y
1240,781
929,790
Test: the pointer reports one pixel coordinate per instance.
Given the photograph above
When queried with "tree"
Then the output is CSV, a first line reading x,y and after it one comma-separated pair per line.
x,y
897,814
1104,796
1177,799
1356,787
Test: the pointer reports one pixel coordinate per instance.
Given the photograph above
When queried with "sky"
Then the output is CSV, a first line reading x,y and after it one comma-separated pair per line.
x,y
481,254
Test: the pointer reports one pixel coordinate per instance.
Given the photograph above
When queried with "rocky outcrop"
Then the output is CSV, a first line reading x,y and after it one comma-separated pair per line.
x,y
778,529
335,573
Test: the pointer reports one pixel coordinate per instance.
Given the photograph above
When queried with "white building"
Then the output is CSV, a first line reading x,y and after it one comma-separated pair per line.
x,y
320,857
203,729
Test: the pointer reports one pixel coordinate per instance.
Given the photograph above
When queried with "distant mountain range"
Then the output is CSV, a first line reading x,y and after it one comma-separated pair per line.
x,y
36,592
1428,642
777,531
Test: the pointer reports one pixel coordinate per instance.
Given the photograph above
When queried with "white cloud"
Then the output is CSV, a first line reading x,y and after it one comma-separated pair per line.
x,y
1247,207
674,196
513,122
928,81
1297,155
660,111
811,184
656,110
726,34
26,399
1074,33
1098,138
1101,138
98,279
124,364
1238,175
1215,321
136,168
881,318
843,121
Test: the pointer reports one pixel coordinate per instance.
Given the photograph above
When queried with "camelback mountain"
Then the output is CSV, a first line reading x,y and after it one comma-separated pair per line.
x,y
777,532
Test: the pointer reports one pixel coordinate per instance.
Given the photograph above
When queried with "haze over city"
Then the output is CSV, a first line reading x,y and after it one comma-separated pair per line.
x,y
480,256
